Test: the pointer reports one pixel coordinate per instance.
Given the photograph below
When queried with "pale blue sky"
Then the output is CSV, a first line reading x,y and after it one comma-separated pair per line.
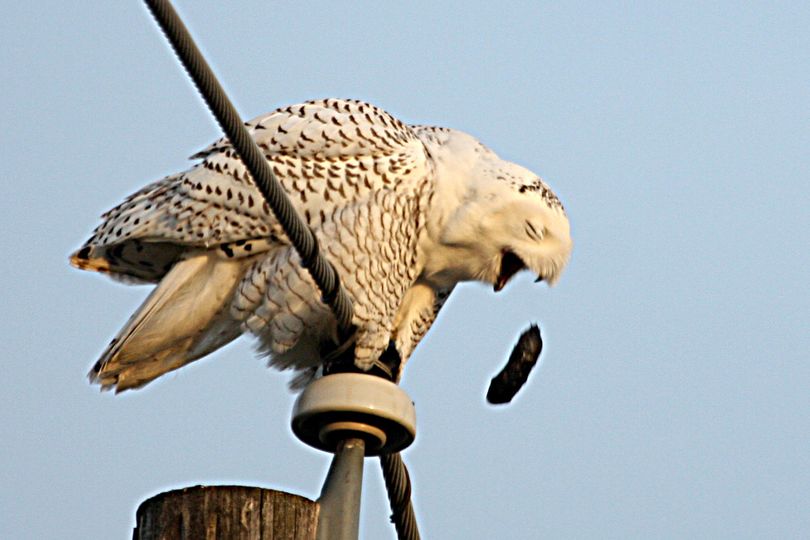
x,y
673,399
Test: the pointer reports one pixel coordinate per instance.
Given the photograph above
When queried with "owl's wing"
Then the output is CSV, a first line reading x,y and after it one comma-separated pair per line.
x,y
326,154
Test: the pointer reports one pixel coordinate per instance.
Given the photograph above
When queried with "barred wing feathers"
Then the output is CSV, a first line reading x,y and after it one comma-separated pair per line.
x,y
360,179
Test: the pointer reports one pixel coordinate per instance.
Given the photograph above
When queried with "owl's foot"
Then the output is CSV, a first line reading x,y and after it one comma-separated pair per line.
x,y
341,360
389,363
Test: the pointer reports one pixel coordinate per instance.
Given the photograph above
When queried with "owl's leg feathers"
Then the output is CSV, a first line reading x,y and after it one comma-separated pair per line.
x,y
416,314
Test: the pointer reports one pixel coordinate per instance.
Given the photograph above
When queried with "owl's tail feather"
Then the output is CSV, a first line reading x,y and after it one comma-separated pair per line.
x,y
186,317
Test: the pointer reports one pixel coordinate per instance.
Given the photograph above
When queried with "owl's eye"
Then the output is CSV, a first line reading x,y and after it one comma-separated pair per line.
x,y
533,233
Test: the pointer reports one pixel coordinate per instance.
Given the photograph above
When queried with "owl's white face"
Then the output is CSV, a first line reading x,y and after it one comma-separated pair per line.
x,y
525,235
493,218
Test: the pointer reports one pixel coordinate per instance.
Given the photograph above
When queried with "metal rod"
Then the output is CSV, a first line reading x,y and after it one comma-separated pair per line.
x,y
339,516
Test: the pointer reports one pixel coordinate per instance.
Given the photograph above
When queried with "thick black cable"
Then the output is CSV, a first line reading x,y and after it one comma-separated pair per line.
x,y
305,243
323,273
398,486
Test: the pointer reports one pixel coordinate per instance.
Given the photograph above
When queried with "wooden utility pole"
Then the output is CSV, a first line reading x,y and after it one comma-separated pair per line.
x,y
226,512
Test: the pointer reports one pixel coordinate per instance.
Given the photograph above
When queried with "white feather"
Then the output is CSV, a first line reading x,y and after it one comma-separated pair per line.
x,y
183,319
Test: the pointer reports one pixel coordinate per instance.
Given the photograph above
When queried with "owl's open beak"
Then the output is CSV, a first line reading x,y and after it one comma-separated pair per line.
x,y
511,264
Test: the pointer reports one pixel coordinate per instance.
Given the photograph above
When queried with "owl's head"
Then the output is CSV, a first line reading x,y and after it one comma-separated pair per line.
x,y
513,226
498,218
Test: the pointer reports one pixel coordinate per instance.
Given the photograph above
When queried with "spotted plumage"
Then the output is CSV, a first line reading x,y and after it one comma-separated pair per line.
x,y
403,212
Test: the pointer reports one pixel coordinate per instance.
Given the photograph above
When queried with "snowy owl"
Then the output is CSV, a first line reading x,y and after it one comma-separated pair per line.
x,y
403,212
